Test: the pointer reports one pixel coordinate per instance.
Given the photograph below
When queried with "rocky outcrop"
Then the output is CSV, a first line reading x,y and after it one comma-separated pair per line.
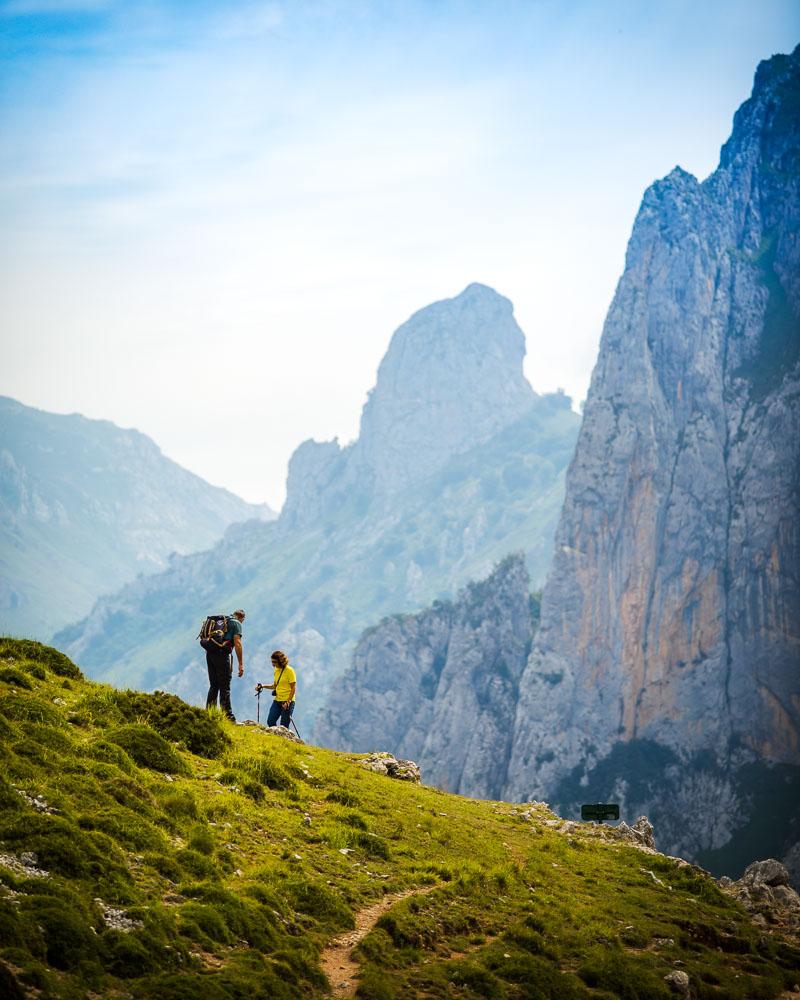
x,y
418,415
671,616
764,891
450,380
312,469
441,686
386,763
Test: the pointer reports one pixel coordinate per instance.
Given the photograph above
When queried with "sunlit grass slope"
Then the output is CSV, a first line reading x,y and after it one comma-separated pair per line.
x,y
191,858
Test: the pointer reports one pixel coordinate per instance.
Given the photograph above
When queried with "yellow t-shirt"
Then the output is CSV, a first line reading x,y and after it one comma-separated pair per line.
x,y
284,689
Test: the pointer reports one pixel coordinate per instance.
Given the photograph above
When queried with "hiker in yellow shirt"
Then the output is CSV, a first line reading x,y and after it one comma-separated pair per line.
x,y
283,690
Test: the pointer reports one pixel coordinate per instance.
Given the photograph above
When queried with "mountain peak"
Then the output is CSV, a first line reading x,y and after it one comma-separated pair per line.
x,y
452,376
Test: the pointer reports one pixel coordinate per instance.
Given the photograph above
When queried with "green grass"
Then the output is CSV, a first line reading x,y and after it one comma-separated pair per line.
x,y
235,893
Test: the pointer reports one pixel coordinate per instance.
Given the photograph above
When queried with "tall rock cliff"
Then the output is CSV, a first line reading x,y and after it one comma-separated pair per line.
x,y
87,506
441,686
671,615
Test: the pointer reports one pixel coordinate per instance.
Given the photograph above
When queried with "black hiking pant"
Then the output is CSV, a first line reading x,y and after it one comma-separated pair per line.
x,y
220,670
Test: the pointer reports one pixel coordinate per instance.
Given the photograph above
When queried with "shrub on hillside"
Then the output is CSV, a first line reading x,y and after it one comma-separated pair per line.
x,y
14,677
106,752
28,649
263,770
148,748
198,730
23,708
67,933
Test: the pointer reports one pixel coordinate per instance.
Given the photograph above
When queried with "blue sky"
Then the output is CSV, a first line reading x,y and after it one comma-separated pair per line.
x,y
279,185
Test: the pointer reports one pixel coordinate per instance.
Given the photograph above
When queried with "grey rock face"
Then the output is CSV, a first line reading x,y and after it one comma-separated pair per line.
x,y
641,833
451,379
769,872
440,686
671,615
312,469
443,387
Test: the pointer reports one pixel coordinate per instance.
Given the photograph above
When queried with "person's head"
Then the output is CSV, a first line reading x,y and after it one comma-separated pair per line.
x,y
239,614
279,659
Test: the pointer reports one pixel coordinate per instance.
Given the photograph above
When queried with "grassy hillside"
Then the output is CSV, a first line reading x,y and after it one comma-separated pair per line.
x,y
148,849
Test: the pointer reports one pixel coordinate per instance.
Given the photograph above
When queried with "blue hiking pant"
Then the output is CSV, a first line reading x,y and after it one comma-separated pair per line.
x,y
276,709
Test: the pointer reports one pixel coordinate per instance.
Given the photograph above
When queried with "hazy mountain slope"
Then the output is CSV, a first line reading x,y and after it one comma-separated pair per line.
x,y
366,531
222,864
85,506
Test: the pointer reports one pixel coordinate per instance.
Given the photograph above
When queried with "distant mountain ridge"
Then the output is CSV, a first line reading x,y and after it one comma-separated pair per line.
x,y
457,463
86,506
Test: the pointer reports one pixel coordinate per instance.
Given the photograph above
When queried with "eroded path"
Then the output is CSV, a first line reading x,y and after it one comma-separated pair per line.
x,y
336,960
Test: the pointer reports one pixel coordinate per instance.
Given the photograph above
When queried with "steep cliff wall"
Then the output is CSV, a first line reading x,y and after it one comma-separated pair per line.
x,y
441,686
672,609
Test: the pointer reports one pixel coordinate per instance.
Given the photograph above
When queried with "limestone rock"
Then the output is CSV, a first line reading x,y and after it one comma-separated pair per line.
x,y
116,919
640,834
392,767
418,415
644,828
282,732
26,865
769,872
786,897
678,982
664,672
764,892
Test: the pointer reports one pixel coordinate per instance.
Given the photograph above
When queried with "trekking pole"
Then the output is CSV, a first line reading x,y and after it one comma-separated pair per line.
x,y
295,728
258,705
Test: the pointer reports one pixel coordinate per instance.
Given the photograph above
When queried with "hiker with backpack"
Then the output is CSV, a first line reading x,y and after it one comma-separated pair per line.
x,y
283,687
219,636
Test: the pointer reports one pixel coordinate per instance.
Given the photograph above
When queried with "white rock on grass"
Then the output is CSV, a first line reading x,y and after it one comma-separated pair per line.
x,y
678,982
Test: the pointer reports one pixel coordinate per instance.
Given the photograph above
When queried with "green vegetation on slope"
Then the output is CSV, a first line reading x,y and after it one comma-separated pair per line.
x,y
227,874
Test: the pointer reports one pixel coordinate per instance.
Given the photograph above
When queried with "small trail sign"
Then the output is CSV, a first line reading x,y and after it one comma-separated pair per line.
x,y
600,811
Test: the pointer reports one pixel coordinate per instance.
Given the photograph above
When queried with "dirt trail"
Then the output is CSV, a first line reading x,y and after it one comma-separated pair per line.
x,y
337,963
